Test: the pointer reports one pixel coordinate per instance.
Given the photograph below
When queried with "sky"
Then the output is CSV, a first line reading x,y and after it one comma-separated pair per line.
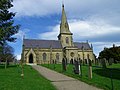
x,y
97,21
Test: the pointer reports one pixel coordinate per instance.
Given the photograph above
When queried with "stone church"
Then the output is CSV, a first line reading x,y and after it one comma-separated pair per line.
x,y
36,51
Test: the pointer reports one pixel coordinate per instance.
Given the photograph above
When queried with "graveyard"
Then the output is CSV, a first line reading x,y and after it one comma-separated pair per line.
x,y
105,78
10,79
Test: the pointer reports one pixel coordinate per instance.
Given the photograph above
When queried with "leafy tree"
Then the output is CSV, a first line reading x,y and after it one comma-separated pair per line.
x,y
7,27
7,54
113,52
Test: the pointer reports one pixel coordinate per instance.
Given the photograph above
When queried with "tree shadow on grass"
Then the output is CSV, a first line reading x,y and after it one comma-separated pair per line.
x,y
2,66
108,72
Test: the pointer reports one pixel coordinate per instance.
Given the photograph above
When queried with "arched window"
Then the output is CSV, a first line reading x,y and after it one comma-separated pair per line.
x,y
44,56
57,56
67,40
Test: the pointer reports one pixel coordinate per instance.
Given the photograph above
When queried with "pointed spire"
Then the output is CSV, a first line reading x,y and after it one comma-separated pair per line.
x,y
64,18
64,27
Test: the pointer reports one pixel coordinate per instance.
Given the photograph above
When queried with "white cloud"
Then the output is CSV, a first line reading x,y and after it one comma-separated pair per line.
x,y
18,57
22,33
35,7
50,35
83,30
93,19
108,10
88,29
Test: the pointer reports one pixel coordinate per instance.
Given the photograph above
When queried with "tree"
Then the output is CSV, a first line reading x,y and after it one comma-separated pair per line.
x,y
7,54
113,52
7,27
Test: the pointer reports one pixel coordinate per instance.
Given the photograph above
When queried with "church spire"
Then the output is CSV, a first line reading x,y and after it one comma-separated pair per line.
x,y
64,27
65,36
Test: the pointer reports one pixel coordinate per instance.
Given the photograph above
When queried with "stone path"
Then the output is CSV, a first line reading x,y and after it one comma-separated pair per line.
x,y
61,81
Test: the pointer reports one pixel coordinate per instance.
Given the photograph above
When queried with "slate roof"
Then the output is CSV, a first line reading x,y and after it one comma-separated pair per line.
x,y
86,46
33,43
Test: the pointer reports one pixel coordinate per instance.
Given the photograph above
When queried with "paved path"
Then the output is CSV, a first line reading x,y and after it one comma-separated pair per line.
x,y
61,81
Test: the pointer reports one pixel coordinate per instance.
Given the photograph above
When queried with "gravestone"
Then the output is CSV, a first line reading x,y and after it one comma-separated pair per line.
x,y
80,68
85,61
64,64
53,62
111,60
96,61
76,67
66,61
90,67
71,61
99,62
103,62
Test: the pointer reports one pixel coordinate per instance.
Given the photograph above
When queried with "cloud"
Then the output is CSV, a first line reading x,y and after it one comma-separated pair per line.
x,y
35,7
95,20
50,35
18,57
108,10
87,30
22,33
100,34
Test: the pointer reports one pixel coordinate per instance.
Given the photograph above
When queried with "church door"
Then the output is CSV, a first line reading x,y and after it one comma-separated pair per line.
x,y
31,58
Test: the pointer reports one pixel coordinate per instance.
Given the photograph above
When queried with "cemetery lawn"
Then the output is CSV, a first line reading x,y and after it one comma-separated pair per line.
x,y
10,79
101,77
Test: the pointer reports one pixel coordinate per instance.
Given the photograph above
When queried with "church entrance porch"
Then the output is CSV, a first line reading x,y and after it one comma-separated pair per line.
x,y
31,58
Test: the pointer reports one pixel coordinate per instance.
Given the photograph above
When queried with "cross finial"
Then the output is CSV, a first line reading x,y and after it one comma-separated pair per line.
x,y
62,3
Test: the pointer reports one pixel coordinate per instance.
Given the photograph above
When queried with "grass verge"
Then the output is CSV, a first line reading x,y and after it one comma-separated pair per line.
x,y
10,79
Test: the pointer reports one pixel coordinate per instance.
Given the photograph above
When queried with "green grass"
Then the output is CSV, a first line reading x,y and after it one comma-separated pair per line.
x,y
101,77
114,66
10,79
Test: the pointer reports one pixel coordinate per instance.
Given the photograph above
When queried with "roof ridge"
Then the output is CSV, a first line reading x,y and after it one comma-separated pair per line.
x,y
41,40
80,42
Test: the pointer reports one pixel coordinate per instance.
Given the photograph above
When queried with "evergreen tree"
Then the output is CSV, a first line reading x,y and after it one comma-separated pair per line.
x,y
7,27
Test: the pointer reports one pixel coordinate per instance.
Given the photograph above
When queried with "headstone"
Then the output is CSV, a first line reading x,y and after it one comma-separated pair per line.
x,y
66,61
85,61
80,68
64,64
97,61
103,62
90,67
53,61
71,61
76,67
111,60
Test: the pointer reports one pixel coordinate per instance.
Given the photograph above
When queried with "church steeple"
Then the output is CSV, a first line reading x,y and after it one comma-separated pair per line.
x,y
64,27
65,35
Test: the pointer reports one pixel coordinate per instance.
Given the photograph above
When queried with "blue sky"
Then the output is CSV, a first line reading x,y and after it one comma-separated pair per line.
x,y
97,21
